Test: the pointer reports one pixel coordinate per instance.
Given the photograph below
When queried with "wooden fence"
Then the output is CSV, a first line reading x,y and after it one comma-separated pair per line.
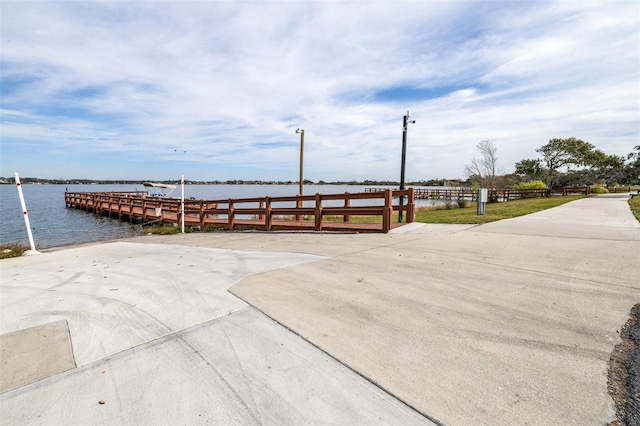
x,y
308,212
495,195
616,189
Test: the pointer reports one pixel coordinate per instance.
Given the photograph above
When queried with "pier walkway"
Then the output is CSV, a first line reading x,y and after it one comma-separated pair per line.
x,y
319,212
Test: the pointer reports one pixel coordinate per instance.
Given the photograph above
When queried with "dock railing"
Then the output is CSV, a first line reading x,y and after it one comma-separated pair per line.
x,y
495,194
308,212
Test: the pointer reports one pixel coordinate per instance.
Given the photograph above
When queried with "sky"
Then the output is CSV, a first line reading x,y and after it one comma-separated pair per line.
x,y
215,90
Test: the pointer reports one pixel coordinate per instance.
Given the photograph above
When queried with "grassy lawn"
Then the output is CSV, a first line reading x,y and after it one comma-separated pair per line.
x,y
468,215
493,211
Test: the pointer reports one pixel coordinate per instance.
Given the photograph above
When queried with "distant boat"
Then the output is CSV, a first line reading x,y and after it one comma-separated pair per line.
x,y
159,189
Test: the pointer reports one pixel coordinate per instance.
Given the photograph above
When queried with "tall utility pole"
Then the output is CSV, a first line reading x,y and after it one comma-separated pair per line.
x,y
405,122
301,131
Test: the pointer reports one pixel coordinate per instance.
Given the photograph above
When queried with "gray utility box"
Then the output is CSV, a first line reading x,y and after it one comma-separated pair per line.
x,y
483,196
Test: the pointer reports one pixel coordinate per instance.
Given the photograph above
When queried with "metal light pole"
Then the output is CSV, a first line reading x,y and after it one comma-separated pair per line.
x,y
405,122
301,131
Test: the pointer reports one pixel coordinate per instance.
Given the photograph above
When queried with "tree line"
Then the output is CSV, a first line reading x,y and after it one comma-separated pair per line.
x,y
561,163
366,182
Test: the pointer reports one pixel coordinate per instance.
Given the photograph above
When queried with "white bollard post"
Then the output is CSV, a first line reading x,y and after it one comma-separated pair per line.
x,y
26,216
182,183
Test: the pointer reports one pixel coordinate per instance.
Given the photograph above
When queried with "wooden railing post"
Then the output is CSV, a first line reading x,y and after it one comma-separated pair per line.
x,y
318,212
268,217
179,214
387,213
347,204
299,205
203,215
231,218
411,206
130,203
158,211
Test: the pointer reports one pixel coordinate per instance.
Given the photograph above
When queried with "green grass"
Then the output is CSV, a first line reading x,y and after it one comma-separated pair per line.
x,y
634,203
353,218
493,211
168,229
11,250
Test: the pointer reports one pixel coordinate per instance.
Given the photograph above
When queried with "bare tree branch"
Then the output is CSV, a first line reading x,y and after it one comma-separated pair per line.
x,y
484,169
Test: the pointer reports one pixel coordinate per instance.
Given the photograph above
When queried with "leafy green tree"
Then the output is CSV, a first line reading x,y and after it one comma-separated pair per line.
x,y
582,177
530,170
632,168
559,153
607,168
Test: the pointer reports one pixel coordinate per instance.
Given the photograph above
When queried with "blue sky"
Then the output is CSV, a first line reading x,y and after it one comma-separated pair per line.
x,y
216,90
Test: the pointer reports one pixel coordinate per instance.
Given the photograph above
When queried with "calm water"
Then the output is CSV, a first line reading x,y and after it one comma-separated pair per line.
x,y
55,225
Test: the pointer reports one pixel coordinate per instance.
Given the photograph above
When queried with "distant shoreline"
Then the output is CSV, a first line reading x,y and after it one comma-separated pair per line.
x,y
367,182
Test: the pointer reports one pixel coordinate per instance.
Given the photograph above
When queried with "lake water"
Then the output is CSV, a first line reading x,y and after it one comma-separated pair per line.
x,y
53,224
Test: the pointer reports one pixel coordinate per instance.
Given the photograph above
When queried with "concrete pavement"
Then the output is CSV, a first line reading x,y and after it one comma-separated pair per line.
x,y
35,353
158,339
511,322
486,325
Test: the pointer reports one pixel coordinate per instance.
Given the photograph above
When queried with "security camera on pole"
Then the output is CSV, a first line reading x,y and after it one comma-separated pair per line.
x,y
405,122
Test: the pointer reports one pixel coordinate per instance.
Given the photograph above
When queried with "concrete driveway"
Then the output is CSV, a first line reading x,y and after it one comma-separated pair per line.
x,y
156,338
507,323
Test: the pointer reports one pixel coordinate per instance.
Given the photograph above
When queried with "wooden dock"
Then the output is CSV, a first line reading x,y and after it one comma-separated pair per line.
x,y
319,212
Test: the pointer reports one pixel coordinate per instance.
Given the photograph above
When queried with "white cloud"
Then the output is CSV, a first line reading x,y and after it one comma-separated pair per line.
x,y
229,82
